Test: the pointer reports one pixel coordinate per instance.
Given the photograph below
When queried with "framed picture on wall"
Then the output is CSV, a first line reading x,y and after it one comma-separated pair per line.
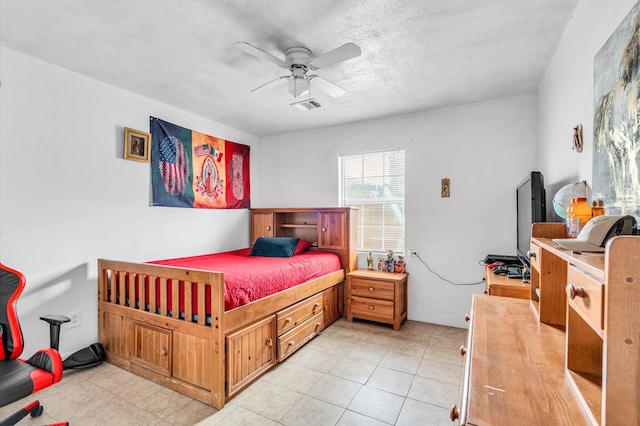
x,y
136,145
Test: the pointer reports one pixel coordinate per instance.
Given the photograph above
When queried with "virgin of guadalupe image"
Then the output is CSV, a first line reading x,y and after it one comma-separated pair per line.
x,y
209,177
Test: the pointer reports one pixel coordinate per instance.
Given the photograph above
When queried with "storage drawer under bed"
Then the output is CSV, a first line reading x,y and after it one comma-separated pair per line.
x,y
289,342
295,315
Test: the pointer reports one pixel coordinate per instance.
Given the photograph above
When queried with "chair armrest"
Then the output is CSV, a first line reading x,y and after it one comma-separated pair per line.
x,y
55,319
54,328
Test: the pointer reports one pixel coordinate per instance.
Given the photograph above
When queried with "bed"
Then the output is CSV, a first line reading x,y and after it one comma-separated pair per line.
x,y
151,319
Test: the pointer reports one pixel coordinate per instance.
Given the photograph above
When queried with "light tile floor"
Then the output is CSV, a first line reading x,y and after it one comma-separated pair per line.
x,y
358,373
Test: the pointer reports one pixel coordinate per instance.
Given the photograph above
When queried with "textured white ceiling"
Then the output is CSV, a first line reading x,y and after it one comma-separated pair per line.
x,y
416,54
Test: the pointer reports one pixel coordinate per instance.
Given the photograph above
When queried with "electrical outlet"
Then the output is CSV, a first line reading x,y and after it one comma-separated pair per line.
x,y
75,319
414,253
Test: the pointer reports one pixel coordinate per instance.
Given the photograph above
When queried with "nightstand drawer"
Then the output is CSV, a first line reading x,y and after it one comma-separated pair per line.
x,y
364,307
372,288
586,294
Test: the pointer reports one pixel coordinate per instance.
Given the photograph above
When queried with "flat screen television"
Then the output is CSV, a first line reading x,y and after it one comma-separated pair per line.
x,y
531,207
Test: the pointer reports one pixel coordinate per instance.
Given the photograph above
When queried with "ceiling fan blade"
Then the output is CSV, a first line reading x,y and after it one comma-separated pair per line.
x,y
326,86
261,54
272,83
339,54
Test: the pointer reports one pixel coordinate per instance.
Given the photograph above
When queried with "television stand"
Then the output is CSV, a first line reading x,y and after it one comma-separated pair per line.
x,y
501,285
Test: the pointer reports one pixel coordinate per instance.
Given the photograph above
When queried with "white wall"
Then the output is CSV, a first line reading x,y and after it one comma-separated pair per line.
x,y
68,198
566,93
486,149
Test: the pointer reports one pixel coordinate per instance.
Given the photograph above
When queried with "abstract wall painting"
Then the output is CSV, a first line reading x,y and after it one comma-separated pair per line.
x,y
191,169
616,158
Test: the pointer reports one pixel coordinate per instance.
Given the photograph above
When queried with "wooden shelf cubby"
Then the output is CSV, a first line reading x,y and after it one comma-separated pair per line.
x,y
331,228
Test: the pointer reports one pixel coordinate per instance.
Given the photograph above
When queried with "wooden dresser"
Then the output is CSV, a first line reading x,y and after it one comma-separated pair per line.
x,y
569,355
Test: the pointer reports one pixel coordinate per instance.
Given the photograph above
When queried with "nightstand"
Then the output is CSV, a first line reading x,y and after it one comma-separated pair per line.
x,y
377,296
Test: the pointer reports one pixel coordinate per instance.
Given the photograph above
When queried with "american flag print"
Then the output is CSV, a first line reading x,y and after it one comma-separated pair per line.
x,y
201,150
190,169
174,165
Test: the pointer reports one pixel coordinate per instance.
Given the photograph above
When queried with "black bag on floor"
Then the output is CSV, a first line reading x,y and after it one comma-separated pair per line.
x,y
90,356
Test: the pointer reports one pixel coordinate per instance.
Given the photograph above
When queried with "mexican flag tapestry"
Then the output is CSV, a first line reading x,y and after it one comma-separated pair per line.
x,y
191,169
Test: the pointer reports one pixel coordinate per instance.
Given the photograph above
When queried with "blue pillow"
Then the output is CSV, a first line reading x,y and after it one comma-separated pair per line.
x,y
274,247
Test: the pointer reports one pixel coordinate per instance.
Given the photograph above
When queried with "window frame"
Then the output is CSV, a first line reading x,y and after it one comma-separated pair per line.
x,y
395,202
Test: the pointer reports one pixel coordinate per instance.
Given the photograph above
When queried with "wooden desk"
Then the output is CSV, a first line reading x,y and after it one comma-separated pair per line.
x,y
515,369
524,368
599,306
500,285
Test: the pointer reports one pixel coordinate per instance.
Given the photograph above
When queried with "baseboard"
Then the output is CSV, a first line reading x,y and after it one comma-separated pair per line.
x,y
446,320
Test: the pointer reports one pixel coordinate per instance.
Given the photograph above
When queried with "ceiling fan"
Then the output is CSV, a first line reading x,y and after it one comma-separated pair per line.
x,y
299,61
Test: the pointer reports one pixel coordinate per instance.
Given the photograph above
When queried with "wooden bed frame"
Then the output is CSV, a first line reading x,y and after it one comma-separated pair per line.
x,y
211,362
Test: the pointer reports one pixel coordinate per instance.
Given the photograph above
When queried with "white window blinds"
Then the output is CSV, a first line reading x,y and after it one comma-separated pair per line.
x,y
374,184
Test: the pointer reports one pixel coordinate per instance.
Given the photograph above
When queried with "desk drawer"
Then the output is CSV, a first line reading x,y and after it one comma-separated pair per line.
x,y
372,288
534,256
298,313
586,294
363,307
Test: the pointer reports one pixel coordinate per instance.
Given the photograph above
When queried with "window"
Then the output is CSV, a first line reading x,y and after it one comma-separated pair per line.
x,y
374,184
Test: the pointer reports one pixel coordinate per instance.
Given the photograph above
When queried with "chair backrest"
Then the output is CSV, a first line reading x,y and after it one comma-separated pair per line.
x,y
11,285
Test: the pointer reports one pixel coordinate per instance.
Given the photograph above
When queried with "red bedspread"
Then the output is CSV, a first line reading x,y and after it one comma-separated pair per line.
x,y
248,278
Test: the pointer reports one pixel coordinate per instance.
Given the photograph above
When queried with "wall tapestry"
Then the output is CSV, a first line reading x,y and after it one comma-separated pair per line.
x,y
191,169
616,158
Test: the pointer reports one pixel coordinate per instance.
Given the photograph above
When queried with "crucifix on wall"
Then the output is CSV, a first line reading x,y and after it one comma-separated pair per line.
x,y
446,188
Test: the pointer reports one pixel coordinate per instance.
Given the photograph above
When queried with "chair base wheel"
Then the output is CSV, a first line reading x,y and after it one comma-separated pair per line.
x,y
37,412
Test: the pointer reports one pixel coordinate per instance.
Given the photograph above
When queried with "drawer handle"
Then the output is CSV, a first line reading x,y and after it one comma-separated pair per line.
x,y
372,289
531,254
463,350
269,342
371,307
164,352
291,343
573,291
317,326
467,317
316,306
324,229
454,413
288,320
268,228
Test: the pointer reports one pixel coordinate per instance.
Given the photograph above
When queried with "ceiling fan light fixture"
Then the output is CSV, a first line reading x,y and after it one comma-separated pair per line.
x,y
307,104
298,86
299,60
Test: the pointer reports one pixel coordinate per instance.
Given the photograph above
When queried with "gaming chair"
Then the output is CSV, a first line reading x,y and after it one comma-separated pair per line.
x,y
20,377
